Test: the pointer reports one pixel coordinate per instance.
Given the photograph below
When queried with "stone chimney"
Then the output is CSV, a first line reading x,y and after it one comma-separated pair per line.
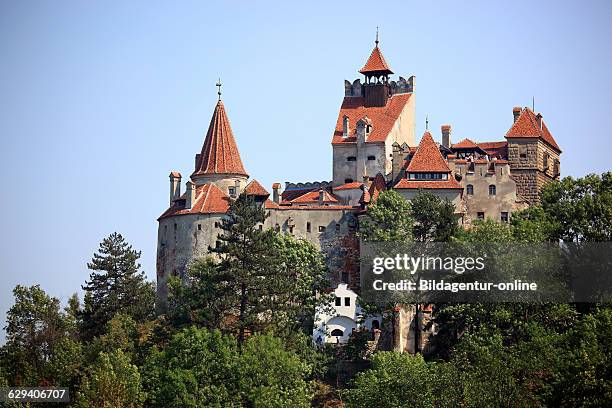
x,y
446,135
175,186
539,120
346,130
276,192
190,195
321,196
237,188
516,112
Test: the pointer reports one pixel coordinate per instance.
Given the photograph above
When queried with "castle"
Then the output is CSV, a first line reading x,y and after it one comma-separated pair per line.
x,y
374,149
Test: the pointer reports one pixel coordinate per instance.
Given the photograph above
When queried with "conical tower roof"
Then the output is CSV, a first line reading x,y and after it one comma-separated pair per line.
x,y
376,63
220,153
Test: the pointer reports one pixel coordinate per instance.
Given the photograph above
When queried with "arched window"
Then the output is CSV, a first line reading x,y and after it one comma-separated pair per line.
x,y
337,333
492,189
470,189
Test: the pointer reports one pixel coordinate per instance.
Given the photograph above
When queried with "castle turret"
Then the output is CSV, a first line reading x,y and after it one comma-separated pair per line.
x,y
219,161
376,71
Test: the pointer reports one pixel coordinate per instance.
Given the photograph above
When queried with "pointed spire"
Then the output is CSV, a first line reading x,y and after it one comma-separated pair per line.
x,y
220,153
376,64
428,158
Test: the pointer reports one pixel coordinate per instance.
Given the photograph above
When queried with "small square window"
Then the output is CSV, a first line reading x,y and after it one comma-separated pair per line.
x,y
504,216
321,228
347,301
260,227
231,190
338,301
480,215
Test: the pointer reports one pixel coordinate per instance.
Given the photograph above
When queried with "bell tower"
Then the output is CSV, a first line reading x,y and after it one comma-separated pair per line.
x,y
376,88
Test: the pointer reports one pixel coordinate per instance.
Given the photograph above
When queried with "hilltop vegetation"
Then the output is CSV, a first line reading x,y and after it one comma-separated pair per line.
x,y
235,331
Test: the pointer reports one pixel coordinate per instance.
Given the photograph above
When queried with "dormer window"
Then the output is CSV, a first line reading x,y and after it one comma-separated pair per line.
x,y
428,176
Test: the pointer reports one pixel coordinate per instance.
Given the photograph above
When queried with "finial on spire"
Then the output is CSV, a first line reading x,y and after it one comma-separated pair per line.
x,y
376,42
218,85
426,122
533,103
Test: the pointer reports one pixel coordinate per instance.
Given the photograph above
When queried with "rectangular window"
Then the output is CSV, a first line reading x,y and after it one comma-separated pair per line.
x,y
523,151
308,228
337,227
231,190
321,228
504,216
351,158
261,227
480,215
199,227
371,157
338,301
217,224
347,301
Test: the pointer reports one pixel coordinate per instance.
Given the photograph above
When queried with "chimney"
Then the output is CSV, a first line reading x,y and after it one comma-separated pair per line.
x,y
190,195
175,186
276,192
345,126
446,132
516,112
539,120
321,196
236,188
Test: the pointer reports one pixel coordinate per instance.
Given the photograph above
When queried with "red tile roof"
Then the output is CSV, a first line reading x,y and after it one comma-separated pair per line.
x,y
349,186
497,149
383,118
209,200
526,126
406,184
220,153
428,158
269,204
378,184
376,63
313,197
465,144
175,174
256,189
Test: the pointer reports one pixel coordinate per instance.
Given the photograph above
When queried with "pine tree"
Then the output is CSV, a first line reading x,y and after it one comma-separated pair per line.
x,y
116,284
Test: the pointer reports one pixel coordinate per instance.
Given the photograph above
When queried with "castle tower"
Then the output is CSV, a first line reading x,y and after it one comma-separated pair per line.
x,y
376,71
219,161
374,115
533,154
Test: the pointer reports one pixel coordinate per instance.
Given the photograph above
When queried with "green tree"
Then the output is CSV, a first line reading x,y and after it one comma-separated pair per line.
x,y
262,282
116,284
434,218
581,209
388,219
111,382
35,325
395,380
202,368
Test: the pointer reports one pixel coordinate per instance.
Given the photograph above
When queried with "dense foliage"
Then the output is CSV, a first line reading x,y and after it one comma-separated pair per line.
x,y
237,328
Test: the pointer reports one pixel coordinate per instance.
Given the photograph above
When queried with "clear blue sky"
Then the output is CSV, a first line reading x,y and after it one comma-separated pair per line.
x,y
99,101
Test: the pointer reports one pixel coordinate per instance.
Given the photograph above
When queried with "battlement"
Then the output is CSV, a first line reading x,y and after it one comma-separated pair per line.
x,y
402,86
309,185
